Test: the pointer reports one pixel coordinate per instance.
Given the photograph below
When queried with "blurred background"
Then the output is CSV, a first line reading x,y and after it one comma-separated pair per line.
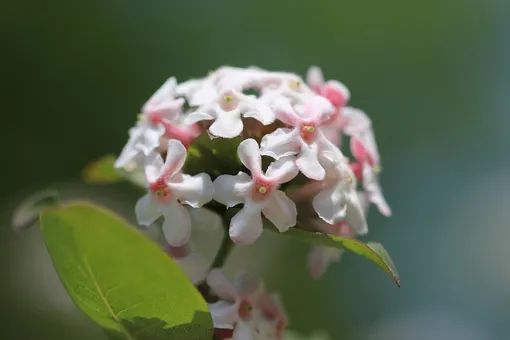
x,y
434,76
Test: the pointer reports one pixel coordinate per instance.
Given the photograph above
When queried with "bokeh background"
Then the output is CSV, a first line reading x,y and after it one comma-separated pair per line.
x,y
433,75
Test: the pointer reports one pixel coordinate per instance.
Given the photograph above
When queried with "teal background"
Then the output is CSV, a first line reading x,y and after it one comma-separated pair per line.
x,y
434,76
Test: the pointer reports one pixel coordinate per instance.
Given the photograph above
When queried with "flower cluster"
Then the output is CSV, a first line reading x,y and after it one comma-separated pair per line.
x,y
289,169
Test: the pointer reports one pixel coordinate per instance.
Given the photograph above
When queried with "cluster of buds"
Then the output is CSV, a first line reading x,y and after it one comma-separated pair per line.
x,y
288,168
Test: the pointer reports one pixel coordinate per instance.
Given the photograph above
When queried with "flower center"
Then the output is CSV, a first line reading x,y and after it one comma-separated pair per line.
x,y
229,101
295,85
308,133
245,310
261,190
161,190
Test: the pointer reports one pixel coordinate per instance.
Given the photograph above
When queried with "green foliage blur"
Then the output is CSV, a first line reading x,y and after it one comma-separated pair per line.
x,y
434,76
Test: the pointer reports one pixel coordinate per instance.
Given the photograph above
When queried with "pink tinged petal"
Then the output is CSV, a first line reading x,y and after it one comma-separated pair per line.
x,y
308,163
243,331
175,158
177,224
336,92
280,210
227,125
224,314
319,259
197,116
231,190
281,143
329,204
282,170
193,190
220,285
147,210
195,267
153,167
246,225
314,78
249,154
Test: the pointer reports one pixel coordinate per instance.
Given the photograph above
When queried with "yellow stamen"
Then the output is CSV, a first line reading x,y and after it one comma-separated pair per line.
x,y
377,169
262,190
228,99
348,178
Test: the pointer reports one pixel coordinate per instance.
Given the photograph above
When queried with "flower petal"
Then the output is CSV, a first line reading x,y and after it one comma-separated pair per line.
x,y
357,121
193,190
246,225
314,78
147,210
130,153
164,93
355,216
280,210
220,285
227,124
258,111
153,167
175,157
280,143
231,190
319,259
177,225
249,154
336,92
195,267
243,331
197,116
282,170
329,204
308,163
223,314
374,191
284,111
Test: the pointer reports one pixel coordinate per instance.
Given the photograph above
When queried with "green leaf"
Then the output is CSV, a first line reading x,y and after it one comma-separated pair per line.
x,y
27,213
372,251
101,171
120,279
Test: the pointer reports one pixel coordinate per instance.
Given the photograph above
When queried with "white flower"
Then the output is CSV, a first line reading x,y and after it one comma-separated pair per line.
x,y
338,201
168,188
157,114
258,193
246,308
235,310
198,91
226,112
305,139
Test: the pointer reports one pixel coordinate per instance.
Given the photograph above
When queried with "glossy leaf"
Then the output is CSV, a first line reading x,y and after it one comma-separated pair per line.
x,y
372,251
120,279
27,213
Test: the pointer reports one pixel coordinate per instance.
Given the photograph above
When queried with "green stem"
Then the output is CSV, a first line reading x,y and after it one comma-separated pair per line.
x,y
225,248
